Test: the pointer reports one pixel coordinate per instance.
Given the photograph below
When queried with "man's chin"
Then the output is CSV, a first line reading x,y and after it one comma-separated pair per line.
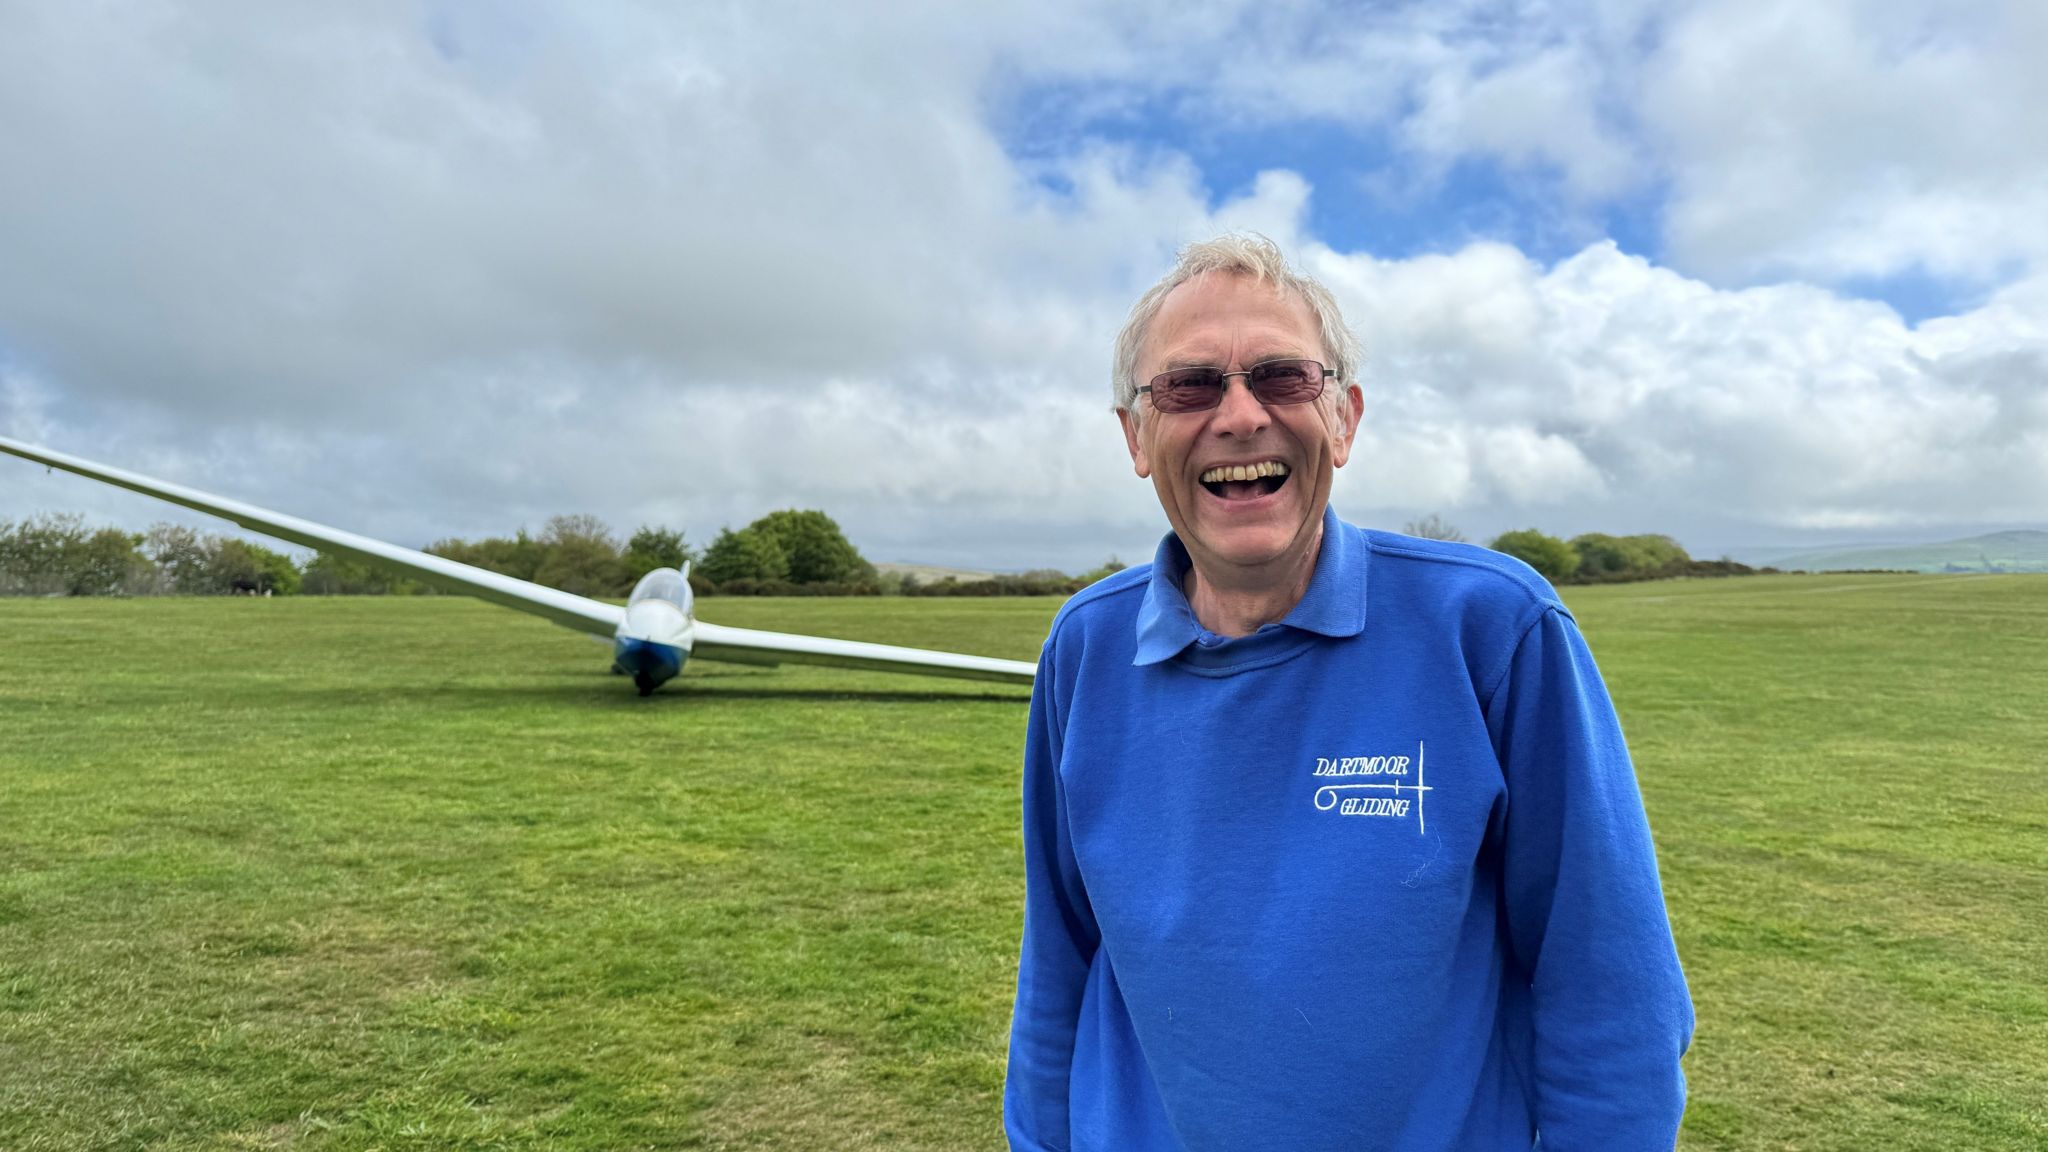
x,y
1244,545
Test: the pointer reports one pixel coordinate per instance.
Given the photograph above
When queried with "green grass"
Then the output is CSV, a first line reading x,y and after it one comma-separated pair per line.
x,y
347,874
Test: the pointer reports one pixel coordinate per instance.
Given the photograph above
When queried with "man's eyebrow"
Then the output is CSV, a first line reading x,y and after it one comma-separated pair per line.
x,y
1273,352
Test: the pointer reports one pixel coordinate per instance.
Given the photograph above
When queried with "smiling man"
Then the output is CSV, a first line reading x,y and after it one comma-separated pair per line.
x,y
1331,838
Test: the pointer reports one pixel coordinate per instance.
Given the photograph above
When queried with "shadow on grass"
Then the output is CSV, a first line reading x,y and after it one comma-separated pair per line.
x,y
617,694
596,689
869,695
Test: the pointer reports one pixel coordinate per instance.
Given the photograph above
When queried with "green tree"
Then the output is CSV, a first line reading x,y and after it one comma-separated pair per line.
x,y
230,562
35,554
744,555
107,564
1601,554
180,556
1548,555
275,571
227,562
1659,551
329,574
1604,555
817,551
652,548
519,556
582,557
1110,567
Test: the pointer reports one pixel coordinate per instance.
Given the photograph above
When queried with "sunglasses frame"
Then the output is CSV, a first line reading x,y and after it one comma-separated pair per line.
x,y
1223,384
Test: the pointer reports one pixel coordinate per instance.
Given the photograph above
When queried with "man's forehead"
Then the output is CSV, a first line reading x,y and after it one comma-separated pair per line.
x,y
1216,313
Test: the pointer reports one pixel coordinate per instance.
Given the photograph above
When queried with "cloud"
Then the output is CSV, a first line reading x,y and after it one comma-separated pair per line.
x,y
1625,389
1540,110
1836,140
453,269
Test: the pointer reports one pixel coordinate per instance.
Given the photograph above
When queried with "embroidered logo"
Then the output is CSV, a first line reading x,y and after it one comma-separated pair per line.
x,y
1384,786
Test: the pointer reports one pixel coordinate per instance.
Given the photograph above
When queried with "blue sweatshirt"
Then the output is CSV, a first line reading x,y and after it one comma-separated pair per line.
x,y
1374,877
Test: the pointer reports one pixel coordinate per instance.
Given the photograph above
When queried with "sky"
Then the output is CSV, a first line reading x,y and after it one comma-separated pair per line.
x,y
1743,272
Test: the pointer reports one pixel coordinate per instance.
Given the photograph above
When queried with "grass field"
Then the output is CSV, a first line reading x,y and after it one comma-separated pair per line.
x,y
416,873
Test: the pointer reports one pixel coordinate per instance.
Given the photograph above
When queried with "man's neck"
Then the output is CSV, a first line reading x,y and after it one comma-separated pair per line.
x,y
1240,601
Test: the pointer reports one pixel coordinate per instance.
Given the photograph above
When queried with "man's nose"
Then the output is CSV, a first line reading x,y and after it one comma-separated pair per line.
x,y
1240,413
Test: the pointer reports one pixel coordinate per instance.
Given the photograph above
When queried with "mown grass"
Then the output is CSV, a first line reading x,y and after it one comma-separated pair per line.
x,y
350,874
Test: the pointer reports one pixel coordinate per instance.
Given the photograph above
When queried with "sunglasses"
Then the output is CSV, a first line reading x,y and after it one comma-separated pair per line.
x,y
1274,382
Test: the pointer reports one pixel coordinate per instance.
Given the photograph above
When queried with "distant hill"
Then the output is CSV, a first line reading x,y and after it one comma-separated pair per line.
x,y
930,573
2024,550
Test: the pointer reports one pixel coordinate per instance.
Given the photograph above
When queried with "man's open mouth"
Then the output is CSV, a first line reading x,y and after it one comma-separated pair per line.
x,y
1245,481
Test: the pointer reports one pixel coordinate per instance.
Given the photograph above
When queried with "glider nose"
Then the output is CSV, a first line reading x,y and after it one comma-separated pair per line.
x,y
649,662
655,635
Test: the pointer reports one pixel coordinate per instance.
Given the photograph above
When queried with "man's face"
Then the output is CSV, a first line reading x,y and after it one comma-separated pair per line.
x,y
1233,322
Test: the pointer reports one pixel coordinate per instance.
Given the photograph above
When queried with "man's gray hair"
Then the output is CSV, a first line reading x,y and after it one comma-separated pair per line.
x,y
1239,254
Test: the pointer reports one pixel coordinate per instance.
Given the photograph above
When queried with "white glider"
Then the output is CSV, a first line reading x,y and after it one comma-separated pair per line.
x,y
652,636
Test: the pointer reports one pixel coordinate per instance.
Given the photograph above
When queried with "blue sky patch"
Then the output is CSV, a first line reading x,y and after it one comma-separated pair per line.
x,y
1916,294
1371,194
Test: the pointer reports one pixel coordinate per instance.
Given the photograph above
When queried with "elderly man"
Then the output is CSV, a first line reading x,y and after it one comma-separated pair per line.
x,y
1331,839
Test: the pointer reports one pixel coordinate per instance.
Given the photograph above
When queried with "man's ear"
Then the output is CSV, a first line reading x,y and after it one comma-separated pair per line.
x,y
1140,463
1347,425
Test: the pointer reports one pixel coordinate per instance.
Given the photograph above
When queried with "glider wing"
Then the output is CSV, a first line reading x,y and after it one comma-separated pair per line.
x,y
571,611
713,641
747,646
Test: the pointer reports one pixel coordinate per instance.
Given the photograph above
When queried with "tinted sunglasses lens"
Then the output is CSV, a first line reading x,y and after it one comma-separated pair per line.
x,y
1187,389
1274,382
1287,381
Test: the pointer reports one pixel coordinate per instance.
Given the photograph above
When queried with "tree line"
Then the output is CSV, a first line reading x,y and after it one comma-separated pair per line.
x,y
787,553
58,555
1593,557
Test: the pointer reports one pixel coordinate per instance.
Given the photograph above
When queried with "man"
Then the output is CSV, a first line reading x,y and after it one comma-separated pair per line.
x,y
1331,839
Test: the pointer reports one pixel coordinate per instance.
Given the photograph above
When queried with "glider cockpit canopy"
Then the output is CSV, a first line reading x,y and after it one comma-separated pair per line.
x,y
663,584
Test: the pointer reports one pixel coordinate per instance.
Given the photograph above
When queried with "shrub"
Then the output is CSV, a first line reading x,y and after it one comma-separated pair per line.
x,y
743,555
816,551
330,574
652,548
1548,555
519,556
1043,582
1109,567
55,556
1603,555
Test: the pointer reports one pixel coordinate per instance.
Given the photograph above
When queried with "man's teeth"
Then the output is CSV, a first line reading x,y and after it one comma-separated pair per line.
x,y
1244,471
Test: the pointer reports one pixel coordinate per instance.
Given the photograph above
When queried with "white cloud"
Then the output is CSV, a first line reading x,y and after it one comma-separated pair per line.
x,y
1607,383
1540,110
448,271
1840,139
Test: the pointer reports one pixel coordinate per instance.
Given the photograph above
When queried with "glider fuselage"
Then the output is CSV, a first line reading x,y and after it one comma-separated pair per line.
x,y
655,635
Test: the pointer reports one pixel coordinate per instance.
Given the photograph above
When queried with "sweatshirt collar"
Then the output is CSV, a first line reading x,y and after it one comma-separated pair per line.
x,y
1333,605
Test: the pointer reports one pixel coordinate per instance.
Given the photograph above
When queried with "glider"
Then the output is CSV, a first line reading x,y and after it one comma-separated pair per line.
x,y
652,636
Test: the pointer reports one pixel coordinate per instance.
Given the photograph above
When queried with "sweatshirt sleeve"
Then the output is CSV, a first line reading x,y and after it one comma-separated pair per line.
x,y
1586,919
1060,939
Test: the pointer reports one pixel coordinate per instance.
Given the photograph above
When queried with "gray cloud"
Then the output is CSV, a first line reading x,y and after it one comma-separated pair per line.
x,y
1608,385
450,270
1835,139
